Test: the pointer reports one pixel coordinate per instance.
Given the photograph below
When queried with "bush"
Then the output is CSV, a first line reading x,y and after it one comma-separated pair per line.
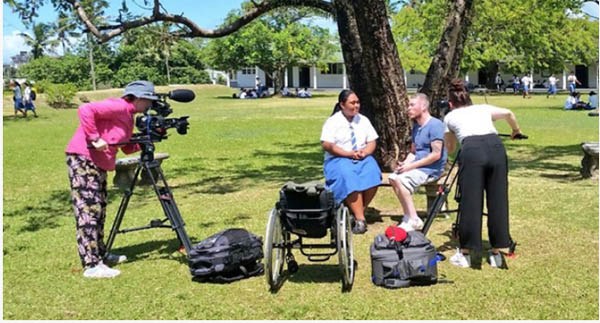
x,y
58,70
41,86
221,80
59,96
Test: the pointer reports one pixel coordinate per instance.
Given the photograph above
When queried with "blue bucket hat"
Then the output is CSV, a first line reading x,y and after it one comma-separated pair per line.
x,y
141,89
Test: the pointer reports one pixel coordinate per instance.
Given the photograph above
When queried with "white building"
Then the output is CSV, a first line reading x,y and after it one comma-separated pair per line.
x,y
336,77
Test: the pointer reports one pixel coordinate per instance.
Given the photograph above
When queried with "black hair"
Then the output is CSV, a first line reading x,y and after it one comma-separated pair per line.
x,y
342,98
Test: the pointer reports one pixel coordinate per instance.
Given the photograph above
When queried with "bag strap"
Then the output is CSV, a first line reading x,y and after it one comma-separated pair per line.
x,y
257,269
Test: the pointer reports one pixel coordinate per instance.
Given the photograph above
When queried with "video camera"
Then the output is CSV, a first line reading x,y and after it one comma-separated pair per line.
x,y
153,127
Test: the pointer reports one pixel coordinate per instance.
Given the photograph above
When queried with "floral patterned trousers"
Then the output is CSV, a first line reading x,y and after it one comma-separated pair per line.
x,y
88,193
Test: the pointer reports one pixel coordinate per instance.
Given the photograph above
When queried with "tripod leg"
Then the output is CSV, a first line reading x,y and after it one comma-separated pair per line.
x,y
122,208
167,201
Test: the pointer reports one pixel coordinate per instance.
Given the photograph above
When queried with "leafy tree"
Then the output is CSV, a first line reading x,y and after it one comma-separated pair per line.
x,y
272,43
65,28
41,41
521,35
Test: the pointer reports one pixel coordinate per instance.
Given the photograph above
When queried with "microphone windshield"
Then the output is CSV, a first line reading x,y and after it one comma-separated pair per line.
x,y
182,95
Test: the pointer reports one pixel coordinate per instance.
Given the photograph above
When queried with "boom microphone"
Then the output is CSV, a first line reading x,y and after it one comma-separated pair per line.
x,y
181,95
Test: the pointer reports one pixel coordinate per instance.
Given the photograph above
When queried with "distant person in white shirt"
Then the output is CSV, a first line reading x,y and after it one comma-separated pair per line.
x,y
527,83
572,79
551,86
498,81
304,93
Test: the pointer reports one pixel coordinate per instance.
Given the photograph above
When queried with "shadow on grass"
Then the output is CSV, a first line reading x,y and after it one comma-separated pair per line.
x,y
541,158
301,163
165,249
43,214
316,273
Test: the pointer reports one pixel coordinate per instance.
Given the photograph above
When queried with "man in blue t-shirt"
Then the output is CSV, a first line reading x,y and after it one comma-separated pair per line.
x,y
424,163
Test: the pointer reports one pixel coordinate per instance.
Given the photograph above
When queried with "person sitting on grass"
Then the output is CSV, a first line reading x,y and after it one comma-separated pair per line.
x,y
350,170
304,93
424,163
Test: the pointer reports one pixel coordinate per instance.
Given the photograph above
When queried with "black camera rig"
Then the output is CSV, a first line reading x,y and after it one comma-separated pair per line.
x,y
153,124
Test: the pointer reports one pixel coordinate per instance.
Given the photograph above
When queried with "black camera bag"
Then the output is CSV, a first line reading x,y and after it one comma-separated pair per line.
x,y
227,256
402,264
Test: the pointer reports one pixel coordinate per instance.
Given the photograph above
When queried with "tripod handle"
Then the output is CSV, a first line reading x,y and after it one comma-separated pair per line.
x,y
518,136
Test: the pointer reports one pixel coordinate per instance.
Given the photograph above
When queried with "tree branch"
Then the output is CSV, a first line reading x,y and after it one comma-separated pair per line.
x,y
105,33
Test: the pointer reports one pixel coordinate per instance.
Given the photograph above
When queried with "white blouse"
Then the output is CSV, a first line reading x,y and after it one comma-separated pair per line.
x,y
337,130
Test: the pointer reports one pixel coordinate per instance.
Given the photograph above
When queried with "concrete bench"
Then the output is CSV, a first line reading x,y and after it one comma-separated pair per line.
x,y
589,163
125,171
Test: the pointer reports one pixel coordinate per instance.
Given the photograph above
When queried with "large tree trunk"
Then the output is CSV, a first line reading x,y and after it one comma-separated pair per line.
x,y
375,74
446,62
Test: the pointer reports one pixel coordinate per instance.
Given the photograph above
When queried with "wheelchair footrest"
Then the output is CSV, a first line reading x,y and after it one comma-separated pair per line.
x,y
319,258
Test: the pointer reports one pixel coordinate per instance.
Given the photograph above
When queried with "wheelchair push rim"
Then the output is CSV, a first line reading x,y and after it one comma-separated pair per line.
x,y
344,246
274,256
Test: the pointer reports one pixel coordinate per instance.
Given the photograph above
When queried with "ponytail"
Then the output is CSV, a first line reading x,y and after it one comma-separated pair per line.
x,y
458,94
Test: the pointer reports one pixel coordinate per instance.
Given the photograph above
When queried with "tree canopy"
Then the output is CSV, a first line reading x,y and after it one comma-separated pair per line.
x,y
543,35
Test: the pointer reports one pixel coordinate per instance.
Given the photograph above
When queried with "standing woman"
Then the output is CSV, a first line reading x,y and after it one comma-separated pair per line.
x,y
483,167
102,124
28,102
351,172
18,98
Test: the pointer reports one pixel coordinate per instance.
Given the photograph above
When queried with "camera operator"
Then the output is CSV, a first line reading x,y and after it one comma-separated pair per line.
x,y
102,124
483,167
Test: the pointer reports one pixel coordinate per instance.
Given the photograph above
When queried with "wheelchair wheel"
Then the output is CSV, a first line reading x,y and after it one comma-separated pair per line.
x,y
274,257
344,246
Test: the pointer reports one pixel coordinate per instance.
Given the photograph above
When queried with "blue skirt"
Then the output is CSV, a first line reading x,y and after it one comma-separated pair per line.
x,y
343,176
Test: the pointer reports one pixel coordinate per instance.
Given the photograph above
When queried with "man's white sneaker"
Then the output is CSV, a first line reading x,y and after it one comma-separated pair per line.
x,y
115,259
412,224
496,260
100,271
461,260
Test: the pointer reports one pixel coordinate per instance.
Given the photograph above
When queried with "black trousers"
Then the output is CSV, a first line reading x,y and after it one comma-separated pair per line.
x,y
483,168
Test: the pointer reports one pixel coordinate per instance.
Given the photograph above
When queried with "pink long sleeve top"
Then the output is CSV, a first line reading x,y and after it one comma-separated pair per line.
x,y
111,120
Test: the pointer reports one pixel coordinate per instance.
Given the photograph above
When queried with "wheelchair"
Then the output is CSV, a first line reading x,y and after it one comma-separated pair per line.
x,y
307,211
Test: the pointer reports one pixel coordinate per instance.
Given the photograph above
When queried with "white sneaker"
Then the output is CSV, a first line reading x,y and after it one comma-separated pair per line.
x,y
461,260
115,259
495,260
411,224
100,271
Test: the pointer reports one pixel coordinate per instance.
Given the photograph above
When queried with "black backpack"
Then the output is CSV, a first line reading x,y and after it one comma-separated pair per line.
x,y
227,256
32,95
403,264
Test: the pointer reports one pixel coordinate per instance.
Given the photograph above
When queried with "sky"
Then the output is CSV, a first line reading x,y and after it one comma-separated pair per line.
x,y
206,13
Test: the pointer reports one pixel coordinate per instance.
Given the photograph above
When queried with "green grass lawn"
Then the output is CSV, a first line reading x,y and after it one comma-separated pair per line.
x,y
226,173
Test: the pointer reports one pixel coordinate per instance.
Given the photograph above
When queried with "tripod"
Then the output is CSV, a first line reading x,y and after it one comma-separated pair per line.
x,y
152,167
441,198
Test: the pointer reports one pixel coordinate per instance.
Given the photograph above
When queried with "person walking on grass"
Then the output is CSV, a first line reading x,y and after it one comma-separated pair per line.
x,y
28,100
551,86
573,81
17,98
423,164
90,154
527,83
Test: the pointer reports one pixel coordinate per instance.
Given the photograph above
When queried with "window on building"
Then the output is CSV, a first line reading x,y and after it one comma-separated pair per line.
x,y
334,68
249,70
